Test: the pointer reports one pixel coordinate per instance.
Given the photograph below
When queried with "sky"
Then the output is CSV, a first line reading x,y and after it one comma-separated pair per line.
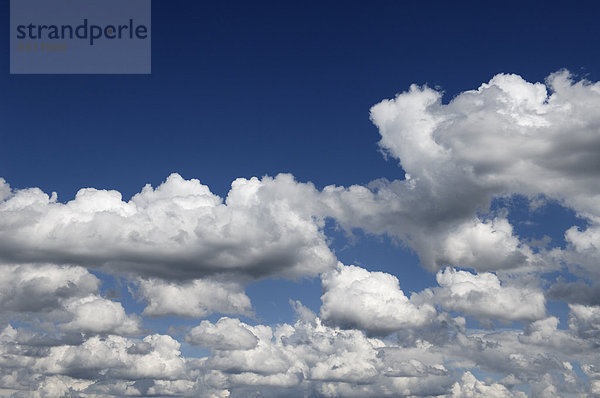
x,y
316,199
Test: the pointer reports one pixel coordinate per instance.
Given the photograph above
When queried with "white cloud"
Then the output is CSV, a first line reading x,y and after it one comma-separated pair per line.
x,y
4,189
507,137
470,387
155,357
500,136
64,295
98,315
178,230
583,250
484,246
226,334
37,288
310,358
314,359
306,358
195,298
593,372
484,296
58,386
585,321
373,301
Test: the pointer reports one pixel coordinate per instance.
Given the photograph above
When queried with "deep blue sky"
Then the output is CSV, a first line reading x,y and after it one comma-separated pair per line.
x,y
243,88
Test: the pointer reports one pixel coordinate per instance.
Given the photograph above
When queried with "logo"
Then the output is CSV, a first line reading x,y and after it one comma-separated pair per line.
x,y
80,36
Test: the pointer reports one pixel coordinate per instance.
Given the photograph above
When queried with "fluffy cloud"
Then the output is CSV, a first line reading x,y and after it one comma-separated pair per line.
x,y
485,245
155,356
226,334
310,358
373,301
98,315
307,358
470,387
584,249
66,295
507,137
97,367
4,189
37,288
196,298
585,320
178,230
484,296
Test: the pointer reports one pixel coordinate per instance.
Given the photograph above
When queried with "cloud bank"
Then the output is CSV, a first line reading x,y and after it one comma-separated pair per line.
x,y
178,230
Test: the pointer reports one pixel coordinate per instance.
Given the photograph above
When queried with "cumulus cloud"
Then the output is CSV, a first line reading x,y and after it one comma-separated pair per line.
x,y
37,288
64,295
156,356
310,358
97,366
178,230
483,295
307,358
584,248
485,245
507,137
470,387
373,301
98,315
195,298
4,189
226,334
585,320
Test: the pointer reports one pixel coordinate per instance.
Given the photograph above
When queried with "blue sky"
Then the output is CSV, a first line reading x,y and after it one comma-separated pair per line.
x,y
497,240
246,89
